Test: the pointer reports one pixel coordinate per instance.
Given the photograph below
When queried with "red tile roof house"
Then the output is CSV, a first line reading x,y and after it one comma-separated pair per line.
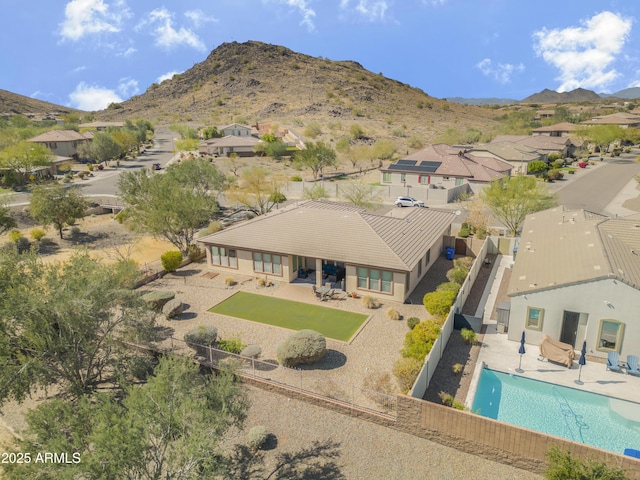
x,y
64,143
455,168
382,256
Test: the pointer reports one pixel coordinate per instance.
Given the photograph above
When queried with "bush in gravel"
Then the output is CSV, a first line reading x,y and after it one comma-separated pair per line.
x,y
406,371
251,351
464,262
438,304
457,274
257,437
157,299
448,287
303,347
412,322
201,337
393,314
419,341
448,400
468,335
194,253
37,234
171,260
15,236
231,345
230,281
370,302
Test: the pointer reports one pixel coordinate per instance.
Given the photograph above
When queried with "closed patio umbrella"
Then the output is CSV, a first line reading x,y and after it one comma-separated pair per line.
x,y
521,351
582,361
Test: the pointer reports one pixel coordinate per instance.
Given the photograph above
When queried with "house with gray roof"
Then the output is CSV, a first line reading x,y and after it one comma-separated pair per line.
x,y
64,143
576,277
225,146
563,129
542,144
622,119
515,154
380,255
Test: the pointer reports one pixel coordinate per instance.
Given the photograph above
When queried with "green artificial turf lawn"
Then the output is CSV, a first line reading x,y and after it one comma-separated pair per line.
x,y
330,322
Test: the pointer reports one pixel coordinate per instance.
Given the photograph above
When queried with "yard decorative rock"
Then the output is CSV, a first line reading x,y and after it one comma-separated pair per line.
x,y
173,308
157,299
303,347
252,351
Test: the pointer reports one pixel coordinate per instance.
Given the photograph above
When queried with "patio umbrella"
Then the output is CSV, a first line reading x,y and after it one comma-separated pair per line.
x,y
582,361
521,351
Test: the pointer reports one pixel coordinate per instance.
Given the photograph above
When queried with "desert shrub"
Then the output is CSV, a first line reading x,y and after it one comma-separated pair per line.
x,y
457,274
171,260
230,281
537,167
412,322
75,231
90,167
562,465
37,234
439,303
558,164
231,345
448,400
80,175
468,335
552,157
213,227
448,287
303,347
416,142
312,130
393,314
406,370
296,178
15,236
202,336
194,253
157,299
66,180
418,342
555,174
457,368
252,351
257,437
464,232
23,244
464,262
370,302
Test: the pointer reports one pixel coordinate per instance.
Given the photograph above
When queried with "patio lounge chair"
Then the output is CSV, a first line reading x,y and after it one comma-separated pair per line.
x,y
613,362
632,365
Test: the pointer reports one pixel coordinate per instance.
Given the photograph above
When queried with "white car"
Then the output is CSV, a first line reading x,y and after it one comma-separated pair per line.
x,y
408,202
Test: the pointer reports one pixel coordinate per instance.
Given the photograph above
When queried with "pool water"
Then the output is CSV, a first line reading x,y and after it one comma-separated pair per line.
x,y
597,420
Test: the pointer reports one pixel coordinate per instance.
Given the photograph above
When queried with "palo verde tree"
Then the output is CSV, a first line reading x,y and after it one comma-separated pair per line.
x,y
175,204
511,199
7,222
61,324
601,135
57,205
316,156
257,190
360,194
104,147
22,157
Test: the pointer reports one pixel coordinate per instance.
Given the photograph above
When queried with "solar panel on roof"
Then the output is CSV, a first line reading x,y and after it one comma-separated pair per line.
x,y
406,162
430,168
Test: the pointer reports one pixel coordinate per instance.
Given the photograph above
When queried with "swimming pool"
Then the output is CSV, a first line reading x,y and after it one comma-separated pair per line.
x,y
597,420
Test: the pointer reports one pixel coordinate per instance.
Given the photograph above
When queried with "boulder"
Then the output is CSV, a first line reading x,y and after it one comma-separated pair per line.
x,y
157,299
173,308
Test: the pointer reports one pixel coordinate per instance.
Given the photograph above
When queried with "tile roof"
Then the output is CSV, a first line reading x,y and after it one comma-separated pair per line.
x,y
507,150
232,141
340,232
619,118
558,127
60,136
565,247
101,124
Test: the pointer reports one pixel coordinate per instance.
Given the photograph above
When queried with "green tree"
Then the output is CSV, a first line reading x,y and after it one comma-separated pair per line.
x,y
563,466
184,131
512,199
602,135
61,323
257,189
187,144
57,205
360,194
7,221
169,428
537,167
316,156
211,132
383,150
176,204
22,157
356,131
104,147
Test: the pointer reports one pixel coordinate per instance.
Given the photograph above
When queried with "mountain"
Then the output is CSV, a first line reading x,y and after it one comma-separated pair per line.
x,y
13,103
574,96
254,81
482,101
627,93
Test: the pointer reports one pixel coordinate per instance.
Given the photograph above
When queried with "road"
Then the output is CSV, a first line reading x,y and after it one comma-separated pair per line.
x,y
597,189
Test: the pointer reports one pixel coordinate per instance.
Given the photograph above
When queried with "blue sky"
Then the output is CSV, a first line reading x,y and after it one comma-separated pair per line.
x,y
89,53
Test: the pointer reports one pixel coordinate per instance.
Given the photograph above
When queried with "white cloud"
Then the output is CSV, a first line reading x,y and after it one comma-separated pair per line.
x,y
128,87
308,14
86,17
584,55
198,17
372,10
92,97
79,69
161,23
127,53
167,76
502,72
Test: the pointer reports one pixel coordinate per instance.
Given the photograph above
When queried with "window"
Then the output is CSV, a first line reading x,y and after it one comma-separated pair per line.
x,y
459,181
386,177
427,258
424,179
374,279
224,257
610,335
267,263
419,269
403,177
534,318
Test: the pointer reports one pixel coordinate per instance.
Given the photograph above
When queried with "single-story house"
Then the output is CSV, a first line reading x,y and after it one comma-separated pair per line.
x,y
100,126
563,129
379,255
224,146
64,143
622,119
576,277
515,154
444,166
543,144
236,130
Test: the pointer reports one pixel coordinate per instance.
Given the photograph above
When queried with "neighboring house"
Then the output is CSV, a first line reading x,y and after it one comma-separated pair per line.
x,y
64,143
577,277
563,129
100,126
542,144
515,154
542,114
225,146
236,130
444,166
58,165
624,120
377,255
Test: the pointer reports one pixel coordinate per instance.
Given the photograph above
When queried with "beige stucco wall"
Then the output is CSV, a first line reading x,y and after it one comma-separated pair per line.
x,y
412,180
591,298
245,267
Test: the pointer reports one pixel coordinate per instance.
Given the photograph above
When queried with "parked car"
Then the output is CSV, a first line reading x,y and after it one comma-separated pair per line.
x,y
408,202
